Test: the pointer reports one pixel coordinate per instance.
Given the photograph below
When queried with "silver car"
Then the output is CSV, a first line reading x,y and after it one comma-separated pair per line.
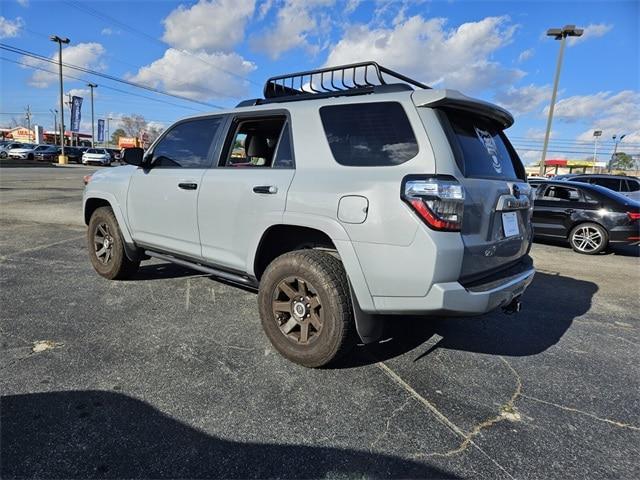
x,y
343,194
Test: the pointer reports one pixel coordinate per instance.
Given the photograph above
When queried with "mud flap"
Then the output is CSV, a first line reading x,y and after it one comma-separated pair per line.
x,y
369,326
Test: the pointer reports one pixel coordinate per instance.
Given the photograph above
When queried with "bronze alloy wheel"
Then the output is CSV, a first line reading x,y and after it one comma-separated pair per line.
x,y
297,310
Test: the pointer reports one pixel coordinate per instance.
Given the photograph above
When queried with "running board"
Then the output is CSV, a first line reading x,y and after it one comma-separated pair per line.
x,y
231,277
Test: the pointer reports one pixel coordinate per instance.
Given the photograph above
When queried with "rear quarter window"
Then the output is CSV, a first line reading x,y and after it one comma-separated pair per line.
x,y
369,134
481,147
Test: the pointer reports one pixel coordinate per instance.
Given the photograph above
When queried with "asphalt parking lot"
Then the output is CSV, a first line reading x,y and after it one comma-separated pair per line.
x,y
169,375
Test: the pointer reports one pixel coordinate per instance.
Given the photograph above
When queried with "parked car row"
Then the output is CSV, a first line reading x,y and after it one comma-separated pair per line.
x,y
50,153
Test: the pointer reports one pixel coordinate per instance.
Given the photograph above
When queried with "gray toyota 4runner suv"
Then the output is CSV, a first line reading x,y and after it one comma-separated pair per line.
x,y
345,193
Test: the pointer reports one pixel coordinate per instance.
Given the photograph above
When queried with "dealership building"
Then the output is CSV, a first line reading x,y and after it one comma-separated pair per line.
x,y
39,135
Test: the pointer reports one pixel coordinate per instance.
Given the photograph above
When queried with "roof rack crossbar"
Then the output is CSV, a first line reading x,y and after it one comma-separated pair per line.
x,y
371,75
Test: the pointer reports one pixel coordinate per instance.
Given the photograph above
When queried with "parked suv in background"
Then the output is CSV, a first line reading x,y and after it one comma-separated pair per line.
x,y
626,185
337,203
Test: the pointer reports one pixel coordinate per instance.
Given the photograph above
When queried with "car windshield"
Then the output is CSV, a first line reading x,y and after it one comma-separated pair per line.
x,y
92,150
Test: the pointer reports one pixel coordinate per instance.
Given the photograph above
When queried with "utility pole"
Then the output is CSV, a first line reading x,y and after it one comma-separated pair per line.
x,y
92,86
62,159
28,117
558,34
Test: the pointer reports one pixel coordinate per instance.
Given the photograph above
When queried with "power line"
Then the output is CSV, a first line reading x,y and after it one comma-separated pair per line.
x,y
66,75
37,56
105,17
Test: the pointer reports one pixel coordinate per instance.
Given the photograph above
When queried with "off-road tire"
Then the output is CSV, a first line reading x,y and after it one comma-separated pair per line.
x,y
583,237
117,266
328,287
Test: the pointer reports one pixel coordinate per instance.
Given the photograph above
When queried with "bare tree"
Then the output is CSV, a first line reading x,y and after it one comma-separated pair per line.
x,y
133,124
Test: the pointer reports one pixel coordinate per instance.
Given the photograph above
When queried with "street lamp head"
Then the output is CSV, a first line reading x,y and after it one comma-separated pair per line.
x,y
566,31
622,136
597,133
92,85
56,38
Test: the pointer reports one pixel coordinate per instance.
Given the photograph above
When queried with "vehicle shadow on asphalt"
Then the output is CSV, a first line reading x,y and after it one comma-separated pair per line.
x,y
549,307
102,434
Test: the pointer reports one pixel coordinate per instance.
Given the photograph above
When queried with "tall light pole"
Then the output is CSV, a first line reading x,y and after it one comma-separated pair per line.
x,y
92,86
55,122
617,141
62,159
558,34
596,134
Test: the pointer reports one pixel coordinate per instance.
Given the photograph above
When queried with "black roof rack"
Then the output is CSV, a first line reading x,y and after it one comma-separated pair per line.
x,y
348,79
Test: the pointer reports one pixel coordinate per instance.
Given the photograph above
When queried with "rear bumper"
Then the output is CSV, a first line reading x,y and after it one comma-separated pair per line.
x,y
452,298
625,234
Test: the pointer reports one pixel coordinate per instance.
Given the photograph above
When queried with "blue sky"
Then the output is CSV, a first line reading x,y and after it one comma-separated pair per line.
x,y
221,51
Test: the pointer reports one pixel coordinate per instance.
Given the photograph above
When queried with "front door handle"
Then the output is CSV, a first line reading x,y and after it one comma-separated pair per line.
x,y
265,189
188,185
569,210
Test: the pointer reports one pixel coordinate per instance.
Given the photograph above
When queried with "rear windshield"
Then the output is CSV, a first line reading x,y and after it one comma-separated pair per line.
x,y
481,148
369,134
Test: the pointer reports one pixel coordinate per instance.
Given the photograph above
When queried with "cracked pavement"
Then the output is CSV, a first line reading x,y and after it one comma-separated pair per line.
x,y
169,375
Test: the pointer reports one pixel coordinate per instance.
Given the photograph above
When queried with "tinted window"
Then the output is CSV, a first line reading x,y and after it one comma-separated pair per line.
x,y
284,155
554,192
482,147
630,185
187,144
369,134
611,183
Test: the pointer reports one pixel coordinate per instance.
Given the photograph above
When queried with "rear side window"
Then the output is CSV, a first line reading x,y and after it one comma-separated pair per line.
x,y
481,148
631,185
187,144
610,183
369,134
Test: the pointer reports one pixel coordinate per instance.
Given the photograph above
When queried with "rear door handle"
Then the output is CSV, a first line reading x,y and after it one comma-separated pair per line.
x,y
271,189
188,185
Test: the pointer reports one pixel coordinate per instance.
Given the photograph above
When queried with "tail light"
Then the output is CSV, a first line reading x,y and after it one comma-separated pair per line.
x,y
438,201
633,216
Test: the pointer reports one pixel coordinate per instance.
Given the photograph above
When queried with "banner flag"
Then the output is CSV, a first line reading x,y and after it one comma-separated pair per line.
x,y
76,106
100,130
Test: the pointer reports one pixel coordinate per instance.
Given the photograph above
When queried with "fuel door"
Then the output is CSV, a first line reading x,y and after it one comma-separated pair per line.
x,y
353,209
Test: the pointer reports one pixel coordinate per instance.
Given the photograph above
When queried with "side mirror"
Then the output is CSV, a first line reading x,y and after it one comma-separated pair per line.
x,y
133,156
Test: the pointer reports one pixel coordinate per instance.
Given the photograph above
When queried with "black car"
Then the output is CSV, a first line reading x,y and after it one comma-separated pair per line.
x,y
74,154
49,154
628,186
590,217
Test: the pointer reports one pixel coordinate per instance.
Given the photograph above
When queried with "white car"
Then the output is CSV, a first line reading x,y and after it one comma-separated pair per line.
x,y
96,155
26,151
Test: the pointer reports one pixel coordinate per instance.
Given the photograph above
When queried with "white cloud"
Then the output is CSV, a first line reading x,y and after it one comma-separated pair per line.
x,y
526,55
593,30
524,99
110,31
297,21
351,6
454,58
265,7
207,76
23,3
10,28
87,55
210,25
614,114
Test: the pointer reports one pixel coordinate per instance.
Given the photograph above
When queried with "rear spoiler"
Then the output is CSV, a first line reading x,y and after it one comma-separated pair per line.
x,y
456,100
